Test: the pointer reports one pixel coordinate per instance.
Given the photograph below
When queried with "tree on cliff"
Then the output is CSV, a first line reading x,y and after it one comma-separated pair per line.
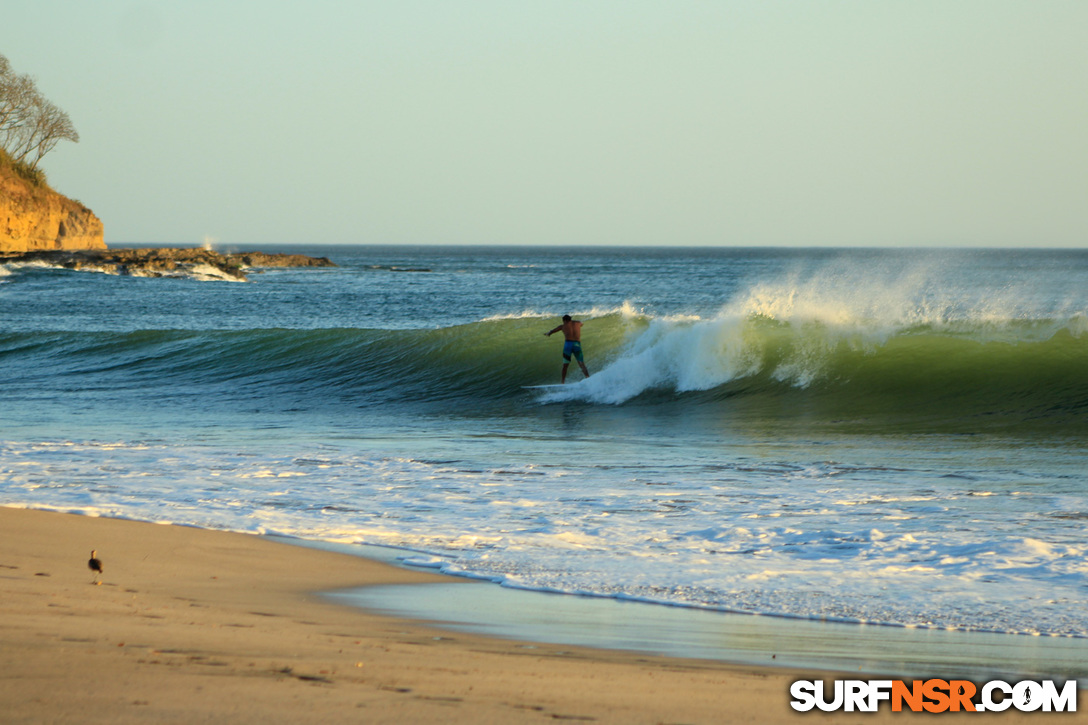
x,y
30,124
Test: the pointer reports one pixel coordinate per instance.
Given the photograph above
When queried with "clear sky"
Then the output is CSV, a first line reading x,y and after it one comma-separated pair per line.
x,y
916,122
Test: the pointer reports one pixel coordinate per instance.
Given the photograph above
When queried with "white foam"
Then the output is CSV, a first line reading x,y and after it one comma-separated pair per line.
x,y
809,318
11,267
782,540
627,310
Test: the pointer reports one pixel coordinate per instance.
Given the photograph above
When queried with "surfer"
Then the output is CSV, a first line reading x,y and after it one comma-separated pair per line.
x,y
572,333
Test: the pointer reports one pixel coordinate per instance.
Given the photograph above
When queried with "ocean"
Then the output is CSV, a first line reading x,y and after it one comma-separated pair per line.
x,y
891,437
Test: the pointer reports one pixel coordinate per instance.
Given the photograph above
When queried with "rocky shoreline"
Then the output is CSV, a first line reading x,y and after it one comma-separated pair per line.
x,y
164,262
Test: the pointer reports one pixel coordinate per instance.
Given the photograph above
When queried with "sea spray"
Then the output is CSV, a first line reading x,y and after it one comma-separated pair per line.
x,y
890,341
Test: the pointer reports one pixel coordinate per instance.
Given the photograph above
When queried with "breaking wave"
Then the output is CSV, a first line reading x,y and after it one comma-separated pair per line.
x,y
1011,371
835,347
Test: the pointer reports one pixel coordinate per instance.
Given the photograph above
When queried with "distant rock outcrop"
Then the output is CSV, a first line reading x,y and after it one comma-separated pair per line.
x,y
39,226
34,217
165,262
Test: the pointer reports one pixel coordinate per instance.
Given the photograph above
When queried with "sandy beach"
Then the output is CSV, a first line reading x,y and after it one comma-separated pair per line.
x,y
190,625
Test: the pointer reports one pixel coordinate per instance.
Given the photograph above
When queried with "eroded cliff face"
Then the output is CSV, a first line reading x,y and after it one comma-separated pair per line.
x,y
35,218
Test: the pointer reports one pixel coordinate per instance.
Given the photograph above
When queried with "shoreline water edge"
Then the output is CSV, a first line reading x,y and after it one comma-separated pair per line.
x,y
257,631
191,624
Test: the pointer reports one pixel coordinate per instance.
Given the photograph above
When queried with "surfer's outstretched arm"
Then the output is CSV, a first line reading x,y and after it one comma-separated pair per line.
x,y
552,331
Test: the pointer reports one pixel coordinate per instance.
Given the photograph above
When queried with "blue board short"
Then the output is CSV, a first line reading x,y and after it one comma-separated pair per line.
x,y
572,347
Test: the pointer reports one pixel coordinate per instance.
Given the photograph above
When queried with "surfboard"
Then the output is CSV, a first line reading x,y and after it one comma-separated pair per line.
x,y
553,386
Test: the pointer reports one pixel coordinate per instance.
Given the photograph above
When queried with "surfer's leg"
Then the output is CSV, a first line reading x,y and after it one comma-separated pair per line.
x,y
578,356
563,379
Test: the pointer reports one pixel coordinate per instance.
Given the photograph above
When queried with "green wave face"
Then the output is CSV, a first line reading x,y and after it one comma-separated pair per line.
x,y
963,375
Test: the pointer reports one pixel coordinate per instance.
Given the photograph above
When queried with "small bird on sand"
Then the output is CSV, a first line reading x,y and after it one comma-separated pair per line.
x,y
95,565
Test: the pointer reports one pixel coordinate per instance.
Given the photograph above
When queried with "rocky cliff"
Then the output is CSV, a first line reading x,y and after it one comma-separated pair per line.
x,y
34,218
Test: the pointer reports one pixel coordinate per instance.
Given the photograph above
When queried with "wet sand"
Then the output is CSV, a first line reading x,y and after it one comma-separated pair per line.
x,y
190,625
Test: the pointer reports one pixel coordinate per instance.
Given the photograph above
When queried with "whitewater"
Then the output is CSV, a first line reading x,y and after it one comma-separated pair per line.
x,y
881,436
